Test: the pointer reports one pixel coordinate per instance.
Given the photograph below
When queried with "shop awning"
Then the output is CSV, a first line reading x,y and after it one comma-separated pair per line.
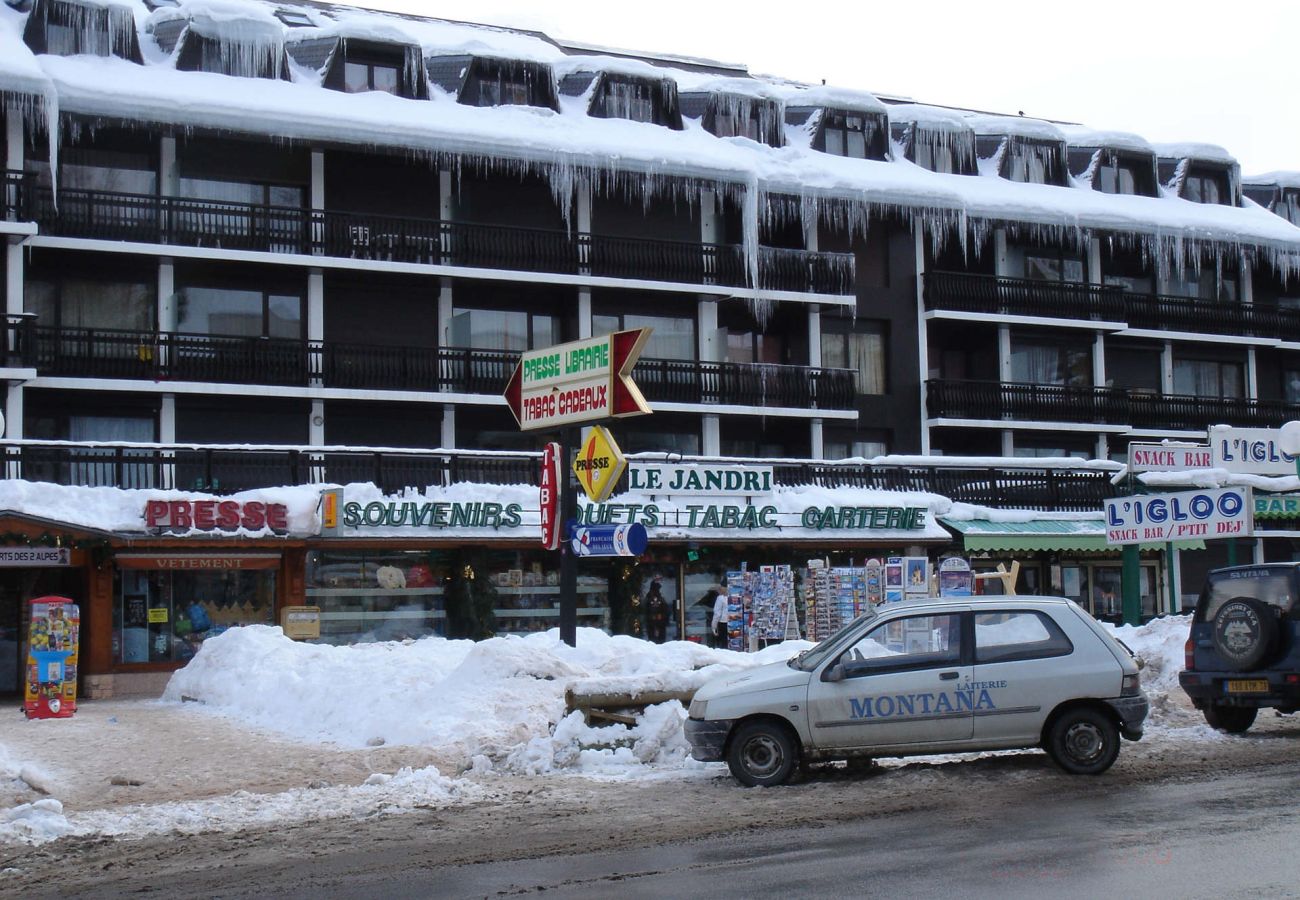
x,y
1086,535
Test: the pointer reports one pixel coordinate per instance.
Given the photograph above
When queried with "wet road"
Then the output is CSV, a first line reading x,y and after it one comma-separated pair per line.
x,y
1233,836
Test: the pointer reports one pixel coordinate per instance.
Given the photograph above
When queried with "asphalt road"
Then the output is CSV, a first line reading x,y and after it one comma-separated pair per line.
x,y
1233,836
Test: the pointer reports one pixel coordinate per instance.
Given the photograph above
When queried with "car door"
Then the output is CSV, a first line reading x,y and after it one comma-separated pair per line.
x,y
1025,665
899,686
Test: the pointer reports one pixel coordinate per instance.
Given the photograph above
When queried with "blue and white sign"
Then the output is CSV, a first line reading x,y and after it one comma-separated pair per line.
x,y
1250,451
609,540
1218,513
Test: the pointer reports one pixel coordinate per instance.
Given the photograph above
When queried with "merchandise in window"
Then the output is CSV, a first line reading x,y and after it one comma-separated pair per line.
x,y
379,595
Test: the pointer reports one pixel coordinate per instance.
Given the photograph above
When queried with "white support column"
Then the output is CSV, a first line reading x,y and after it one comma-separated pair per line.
x,y
922,333
316,424
14,412
818,439
1008,442
1004,353
167,313
316,323
1094,261
584,313
708,216
707,323
446,209
318,179
448,426
14,160
14,264
814,335
1257,546
1001,261
446,308
1252,374
1167,368
1246,283
167,419
711,435
169,175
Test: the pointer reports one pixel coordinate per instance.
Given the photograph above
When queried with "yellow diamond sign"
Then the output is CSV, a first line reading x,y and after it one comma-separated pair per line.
x,y
599,464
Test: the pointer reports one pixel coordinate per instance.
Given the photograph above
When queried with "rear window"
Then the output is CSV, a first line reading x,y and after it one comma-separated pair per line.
x,y
1274,587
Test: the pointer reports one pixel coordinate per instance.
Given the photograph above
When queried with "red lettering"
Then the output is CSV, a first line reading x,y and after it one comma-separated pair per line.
x,y
204,514
254,516
180,514
155,513
228,515
277,517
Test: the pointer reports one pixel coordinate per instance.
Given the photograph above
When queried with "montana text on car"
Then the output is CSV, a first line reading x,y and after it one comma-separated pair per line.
x,y
930,676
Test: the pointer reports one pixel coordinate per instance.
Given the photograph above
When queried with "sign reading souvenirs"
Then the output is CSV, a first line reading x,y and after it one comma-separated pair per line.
x,y
701,480
1250,451
215,515
581,381
548,494
609,540
599,464
1219,513
1168,457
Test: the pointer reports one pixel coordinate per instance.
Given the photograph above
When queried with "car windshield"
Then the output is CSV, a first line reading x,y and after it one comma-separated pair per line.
x,y
1272,586
813,656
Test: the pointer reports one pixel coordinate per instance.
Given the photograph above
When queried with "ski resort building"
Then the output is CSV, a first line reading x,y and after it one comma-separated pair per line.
x,y
252,245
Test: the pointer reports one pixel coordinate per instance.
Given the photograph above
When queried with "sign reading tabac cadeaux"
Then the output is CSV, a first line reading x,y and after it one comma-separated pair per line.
x,y
578,382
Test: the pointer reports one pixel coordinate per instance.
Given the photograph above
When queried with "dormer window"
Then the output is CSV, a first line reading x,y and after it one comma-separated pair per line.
x,y
361,76
244,49
844,134
487,81
934,139
294,18
737,115
1203,184
358,67
68,28
1029,161
1112,171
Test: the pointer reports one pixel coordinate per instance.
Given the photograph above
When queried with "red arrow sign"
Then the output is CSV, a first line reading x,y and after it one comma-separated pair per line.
x,y
626,349
577,383
513,393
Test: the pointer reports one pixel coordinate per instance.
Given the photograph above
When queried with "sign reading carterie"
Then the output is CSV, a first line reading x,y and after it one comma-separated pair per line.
x,y
581,381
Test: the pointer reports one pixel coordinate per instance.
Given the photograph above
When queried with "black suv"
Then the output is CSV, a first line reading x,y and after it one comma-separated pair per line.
x,y
1244,650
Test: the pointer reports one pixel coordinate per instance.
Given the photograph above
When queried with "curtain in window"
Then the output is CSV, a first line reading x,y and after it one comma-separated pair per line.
x,y
1037,365
111,429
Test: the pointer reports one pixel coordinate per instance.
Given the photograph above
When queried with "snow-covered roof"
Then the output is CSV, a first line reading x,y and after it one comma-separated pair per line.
x,y
1016,126
1282,179
1082,136
1211,153
834,98
931,118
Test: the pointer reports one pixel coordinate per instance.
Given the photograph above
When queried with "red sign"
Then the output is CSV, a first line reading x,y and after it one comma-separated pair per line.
x,y
550,496
215,515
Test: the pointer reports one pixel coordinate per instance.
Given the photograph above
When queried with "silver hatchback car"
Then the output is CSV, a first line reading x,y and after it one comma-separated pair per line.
x,y
932,676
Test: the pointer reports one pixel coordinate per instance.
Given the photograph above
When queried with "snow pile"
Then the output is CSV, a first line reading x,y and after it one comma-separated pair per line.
x,y
1160,645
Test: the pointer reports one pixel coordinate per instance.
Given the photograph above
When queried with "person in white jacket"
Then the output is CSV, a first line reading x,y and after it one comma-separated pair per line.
x,y
718,624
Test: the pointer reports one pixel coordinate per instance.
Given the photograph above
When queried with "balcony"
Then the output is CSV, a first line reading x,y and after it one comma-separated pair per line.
x,y
226,470
995,295
105,215
990,295
228,359
1011,402
14,198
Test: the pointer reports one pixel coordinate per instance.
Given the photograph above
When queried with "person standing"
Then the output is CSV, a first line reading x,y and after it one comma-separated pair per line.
x,y
656,613
718,624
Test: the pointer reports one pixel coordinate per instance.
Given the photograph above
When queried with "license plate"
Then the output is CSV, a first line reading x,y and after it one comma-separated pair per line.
x,y
1248,686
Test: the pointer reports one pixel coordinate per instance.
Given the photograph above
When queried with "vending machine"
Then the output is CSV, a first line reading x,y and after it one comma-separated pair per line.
x,y
52,659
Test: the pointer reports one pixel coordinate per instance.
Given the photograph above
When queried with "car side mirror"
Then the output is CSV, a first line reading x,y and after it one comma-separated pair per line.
x,y
834,673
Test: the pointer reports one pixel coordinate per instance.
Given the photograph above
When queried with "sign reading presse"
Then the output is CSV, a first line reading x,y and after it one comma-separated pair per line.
x,y
1218,513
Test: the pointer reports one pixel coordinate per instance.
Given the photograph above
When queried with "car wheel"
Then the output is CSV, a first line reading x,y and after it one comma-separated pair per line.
x,y
1245,632
762,754
1083,741
1232,719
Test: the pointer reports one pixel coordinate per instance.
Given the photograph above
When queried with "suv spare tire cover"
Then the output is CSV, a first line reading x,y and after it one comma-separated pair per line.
x,y
1245,631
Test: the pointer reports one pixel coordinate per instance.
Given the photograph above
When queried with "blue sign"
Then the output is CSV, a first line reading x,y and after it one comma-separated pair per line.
x,y
608,540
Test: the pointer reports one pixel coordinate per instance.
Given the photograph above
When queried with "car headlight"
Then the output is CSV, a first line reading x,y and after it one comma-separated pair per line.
x,y
698,708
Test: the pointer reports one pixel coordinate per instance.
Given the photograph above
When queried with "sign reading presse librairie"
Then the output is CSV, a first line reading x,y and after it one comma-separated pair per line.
x,y
581,381
1150,518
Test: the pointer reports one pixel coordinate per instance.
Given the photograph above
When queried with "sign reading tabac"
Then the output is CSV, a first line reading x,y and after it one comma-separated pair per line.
x,y
581,381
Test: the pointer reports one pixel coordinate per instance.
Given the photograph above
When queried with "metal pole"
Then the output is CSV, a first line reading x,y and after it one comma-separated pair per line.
x,y
568,564
1131,585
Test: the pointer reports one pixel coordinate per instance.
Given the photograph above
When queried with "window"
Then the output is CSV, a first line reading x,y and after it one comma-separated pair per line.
x,y
85,303
1115,177
859,346
1032,162
934,157
1200,186
111,429
360,76
744,346
504,90
229,56
117,171
1048,363
503,329
747,117
1040,266
846,445
1208,378
1207,284
671,337
243,313
844,134
629,100
294,18
1010,636
914,642
378,595
1136,284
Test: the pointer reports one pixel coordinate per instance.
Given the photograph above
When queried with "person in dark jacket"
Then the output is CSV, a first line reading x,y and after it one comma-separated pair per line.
x,y
656,614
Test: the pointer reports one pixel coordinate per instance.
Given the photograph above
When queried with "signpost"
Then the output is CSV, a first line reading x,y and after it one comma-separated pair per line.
x,y
562,387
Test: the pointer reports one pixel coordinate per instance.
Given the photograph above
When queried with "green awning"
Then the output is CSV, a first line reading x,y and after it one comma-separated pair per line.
x,y
1085,535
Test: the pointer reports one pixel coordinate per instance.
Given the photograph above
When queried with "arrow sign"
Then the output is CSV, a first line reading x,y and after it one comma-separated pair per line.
x,y
581,381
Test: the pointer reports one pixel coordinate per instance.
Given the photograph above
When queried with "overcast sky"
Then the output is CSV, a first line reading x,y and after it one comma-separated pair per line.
x,y
1220,73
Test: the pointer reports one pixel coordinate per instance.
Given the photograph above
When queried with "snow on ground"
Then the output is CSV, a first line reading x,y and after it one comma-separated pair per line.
x,y
491,708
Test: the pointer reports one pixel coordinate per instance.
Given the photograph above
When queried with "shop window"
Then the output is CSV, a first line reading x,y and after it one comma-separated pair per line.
x,y
378,596
164,616
671,337
1097,588
1208,378
860,346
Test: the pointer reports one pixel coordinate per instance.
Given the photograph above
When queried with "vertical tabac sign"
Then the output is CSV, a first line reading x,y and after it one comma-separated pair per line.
x,y
549,495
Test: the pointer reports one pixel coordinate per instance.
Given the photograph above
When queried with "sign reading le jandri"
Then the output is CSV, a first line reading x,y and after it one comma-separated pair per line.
x,y
681,480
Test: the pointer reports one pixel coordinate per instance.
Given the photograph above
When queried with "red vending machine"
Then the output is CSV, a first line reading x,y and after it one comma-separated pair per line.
x,y
52,659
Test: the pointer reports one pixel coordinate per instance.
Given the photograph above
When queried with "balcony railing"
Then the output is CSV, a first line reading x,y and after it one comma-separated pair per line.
x,y
964,292
1010,402
14,199
107,215
227,359
230,469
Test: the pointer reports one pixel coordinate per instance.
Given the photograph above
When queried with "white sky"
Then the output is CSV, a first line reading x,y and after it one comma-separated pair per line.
x,y
1221,73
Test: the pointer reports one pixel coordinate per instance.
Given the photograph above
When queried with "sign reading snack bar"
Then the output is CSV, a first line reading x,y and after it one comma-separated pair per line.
x,y
1218,513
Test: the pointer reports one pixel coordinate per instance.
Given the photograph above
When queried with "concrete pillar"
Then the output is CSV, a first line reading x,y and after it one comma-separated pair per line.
x,y
1094,261
707,325
1167,368
1099,359
584,312
1246,283
169,173
14,277
814,335
711,436
446,309
922,333
13,413
448,426
318,179
818,439
167,419
1004,353
14,264
1008,442
1252,374
446,209
709,224
1001,260
316,424
167,311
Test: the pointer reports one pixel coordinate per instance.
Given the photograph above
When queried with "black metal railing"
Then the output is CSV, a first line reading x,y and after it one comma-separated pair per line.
x,y
964,292
1162,312
745,384
226,470
109,215
994,401
14,198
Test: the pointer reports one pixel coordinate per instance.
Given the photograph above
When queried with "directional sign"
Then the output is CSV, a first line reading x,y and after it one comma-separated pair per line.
x,y
549,495
609,540
581,381
599,465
